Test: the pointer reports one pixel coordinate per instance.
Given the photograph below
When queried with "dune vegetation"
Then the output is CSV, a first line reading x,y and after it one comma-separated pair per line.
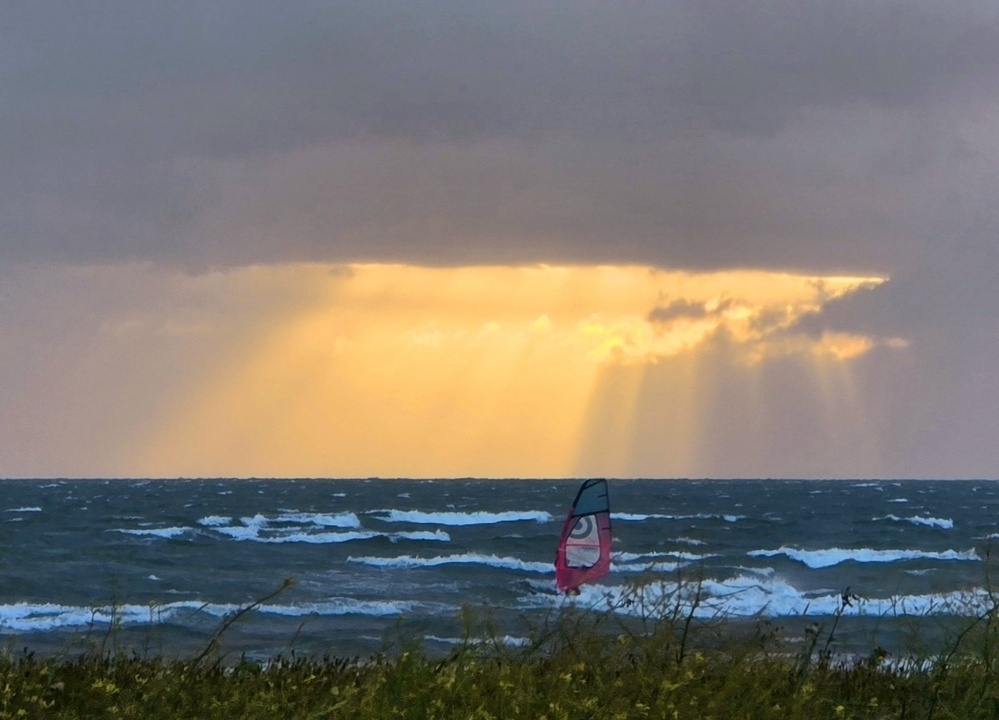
x,y
660,662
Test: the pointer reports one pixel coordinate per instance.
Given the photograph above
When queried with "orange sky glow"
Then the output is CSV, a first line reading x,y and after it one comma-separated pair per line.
x,y
392,370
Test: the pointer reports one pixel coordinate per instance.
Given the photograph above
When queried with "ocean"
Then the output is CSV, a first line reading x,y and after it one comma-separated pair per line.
x,y
156,567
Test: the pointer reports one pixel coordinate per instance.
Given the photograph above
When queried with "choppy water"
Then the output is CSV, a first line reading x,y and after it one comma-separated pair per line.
x,y
373,560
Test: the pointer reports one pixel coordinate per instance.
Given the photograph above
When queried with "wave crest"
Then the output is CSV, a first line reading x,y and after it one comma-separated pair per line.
x,y
834,556
409,561
419,517
944,523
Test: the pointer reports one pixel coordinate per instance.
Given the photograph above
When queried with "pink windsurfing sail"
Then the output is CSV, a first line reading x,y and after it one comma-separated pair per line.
x,y
584,547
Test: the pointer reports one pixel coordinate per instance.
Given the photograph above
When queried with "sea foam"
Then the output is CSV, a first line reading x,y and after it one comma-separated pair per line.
x,y
746,596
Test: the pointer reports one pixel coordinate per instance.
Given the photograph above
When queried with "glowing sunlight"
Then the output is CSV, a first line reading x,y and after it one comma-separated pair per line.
x,y
394,370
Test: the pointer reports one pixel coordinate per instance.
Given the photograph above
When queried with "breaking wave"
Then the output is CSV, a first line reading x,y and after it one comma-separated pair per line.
x,y
944,523
503,563
507,640
639,517
275,530
632,557
35,617
746,596
340,520
168,532
622,562
834,556
418,517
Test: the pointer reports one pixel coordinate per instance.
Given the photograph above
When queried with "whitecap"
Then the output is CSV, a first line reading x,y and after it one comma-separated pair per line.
x,y
323,538
689,541
762,571
433,536
26,617
342,520
257,520
745,596
418,517
679,554
503,563
168,532
35,617
631,557
507,640
638,517
25,509
834,556
215,520
238,532
667,567
252,533
943,523
352,606
314,538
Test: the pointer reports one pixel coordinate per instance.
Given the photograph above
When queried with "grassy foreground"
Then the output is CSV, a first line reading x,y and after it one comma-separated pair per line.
x,y
579,665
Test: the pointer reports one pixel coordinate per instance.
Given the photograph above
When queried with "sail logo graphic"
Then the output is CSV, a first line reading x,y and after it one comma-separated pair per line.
x,y
583,547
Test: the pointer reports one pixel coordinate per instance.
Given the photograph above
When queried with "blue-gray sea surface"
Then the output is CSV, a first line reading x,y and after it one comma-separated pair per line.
x,y
157,566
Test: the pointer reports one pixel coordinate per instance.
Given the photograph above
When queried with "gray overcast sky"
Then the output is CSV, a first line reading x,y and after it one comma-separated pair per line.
x,y
806,134
827,136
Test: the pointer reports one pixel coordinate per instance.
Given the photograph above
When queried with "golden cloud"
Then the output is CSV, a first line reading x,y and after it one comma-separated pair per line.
x,y
404,370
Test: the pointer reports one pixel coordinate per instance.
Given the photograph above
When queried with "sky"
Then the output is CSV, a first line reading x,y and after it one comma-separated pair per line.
x,y
686,238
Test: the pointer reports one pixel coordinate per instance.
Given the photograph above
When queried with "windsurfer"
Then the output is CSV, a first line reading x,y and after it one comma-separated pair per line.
x,y
583,551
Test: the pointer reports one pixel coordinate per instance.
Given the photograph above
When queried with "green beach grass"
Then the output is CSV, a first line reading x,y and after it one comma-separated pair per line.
x,y
577,664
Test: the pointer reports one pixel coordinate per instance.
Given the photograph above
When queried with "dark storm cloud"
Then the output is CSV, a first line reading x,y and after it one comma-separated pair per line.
x,y
251,76
677,310
693,133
